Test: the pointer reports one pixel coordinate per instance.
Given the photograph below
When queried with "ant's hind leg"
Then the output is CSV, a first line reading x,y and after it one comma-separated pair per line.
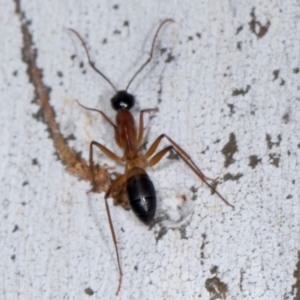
x,y
181,153
184,156
118,181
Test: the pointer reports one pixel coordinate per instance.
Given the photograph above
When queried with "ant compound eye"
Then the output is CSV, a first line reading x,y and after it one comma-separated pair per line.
x,y
122,100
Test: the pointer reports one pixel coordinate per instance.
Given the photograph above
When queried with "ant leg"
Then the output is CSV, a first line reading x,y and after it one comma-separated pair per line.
x,y
141,123
154,146
118,181
184,156
158,156
107,152
100,112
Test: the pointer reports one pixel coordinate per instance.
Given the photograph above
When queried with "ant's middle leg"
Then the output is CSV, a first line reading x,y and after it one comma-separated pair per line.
x,y
183,155
107,152
141,123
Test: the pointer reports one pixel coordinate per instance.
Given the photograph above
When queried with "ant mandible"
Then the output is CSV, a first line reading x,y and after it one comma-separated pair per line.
x,y
140,190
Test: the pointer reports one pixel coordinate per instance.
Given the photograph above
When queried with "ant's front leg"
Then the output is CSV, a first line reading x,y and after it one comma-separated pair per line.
x,y
107,119
107,152
141,124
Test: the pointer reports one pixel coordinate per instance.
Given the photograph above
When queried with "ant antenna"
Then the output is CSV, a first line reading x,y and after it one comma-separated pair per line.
x,y
89,59
137,72
151,52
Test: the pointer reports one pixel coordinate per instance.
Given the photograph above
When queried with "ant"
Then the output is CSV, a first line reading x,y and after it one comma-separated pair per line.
x,y
139,187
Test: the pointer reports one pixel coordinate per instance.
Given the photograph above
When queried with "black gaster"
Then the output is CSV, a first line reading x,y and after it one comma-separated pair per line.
x,y
141,195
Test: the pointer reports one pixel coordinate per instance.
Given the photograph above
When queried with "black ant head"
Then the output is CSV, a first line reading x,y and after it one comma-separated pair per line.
x,y
122,99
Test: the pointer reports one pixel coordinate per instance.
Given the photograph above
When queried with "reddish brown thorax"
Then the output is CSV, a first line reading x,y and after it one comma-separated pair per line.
x,y
126,133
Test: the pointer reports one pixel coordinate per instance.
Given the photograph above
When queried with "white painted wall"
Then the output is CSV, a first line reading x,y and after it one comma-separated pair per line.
x,y
55,240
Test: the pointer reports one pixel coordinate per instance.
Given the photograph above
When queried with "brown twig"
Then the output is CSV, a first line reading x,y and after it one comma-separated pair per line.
x,y
74,163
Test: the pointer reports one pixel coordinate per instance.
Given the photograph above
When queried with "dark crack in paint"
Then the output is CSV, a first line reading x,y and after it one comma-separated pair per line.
x,y
274,159
254,161
89,291
242,272
231,108
204,242
35,162
214,270
256,27
16,228
243,92
182,231
59,74
270,144
232,177
194,190
296,287
173,155
169,58
160,233
275,74
216,288
229,150
239,29
286,118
